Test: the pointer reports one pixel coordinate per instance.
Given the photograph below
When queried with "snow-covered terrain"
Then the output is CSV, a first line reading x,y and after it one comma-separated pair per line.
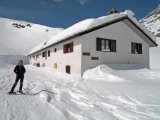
x,y
152,21
17,38
107,92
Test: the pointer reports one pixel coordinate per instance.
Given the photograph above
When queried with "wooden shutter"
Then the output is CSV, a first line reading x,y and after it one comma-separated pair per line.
x,y
43,54
65,48
112,45
140,48
98,44
55,49
71,46
133,47
48,53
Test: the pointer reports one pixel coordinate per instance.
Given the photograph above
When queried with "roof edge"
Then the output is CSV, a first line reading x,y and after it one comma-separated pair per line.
x,y
98,27
143,32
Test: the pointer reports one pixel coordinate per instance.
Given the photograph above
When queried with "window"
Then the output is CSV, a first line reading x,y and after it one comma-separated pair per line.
x,y
43,54
136,48
68,69
55,49
67,48
48,53
55,66
106,45
37,55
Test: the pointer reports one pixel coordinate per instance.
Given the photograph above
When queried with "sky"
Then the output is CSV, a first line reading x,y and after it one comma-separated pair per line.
x,y
65,13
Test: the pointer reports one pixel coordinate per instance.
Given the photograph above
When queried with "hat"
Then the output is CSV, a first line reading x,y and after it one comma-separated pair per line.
x,y
21,62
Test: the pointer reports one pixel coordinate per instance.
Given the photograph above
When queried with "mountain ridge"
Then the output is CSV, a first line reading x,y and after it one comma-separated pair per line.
x,y
152,21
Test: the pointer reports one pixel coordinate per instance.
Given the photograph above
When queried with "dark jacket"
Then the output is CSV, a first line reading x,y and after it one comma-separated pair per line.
x,y
19,70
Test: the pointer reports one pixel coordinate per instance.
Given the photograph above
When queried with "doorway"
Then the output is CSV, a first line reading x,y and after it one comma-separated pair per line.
x,y
68,69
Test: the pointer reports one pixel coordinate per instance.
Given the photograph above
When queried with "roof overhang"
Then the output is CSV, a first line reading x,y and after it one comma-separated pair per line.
x,y
124,19
140,32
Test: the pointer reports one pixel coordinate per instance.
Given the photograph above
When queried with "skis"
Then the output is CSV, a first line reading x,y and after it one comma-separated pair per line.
x,y
16,93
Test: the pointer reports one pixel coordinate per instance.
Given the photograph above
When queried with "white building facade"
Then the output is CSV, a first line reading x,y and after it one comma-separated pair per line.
x,y
119,40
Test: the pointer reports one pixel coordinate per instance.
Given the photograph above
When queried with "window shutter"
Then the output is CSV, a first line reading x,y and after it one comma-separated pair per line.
x,y
71,45
113,45
133,47
98,44
65,48
48,53
140,49
43,54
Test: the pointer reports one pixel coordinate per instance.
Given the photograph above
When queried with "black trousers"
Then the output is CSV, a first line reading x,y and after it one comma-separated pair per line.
x,y
18,77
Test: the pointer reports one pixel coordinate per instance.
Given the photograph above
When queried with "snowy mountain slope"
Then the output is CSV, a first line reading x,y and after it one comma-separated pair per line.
x,y
19,37
152,21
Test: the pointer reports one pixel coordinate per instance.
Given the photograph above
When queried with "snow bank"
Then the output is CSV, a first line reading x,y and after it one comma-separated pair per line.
x,y
102,73
89,24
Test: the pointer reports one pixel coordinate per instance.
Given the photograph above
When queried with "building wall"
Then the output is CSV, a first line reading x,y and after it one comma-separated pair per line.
x,y
73,59
87,43
123,36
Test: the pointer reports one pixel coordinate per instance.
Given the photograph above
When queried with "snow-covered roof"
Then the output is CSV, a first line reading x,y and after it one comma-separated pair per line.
x,y
89,24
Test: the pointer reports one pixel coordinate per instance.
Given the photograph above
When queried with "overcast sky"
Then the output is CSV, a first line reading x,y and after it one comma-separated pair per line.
x,y
64,13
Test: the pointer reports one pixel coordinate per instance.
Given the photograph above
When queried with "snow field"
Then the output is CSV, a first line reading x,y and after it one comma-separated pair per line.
x,y
111,92
54,95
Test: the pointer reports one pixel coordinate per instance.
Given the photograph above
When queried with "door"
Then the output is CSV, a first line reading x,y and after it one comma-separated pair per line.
x,y
68,69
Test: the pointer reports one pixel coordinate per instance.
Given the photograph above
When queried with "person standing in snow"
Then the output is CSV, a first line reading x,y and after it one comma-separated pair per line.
x,y
19,71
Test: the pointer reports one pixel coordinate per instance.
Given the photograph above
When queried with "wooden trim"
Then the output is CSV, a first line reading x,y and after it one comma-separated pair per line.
x,y
55,49
98,44
113,45
71,46
43,54
133,46
65,48
136,46
49,53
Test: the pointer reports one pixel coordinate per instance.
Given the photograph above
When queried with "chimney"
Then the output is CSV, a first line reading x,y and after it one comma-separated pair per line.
x,y
113,11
